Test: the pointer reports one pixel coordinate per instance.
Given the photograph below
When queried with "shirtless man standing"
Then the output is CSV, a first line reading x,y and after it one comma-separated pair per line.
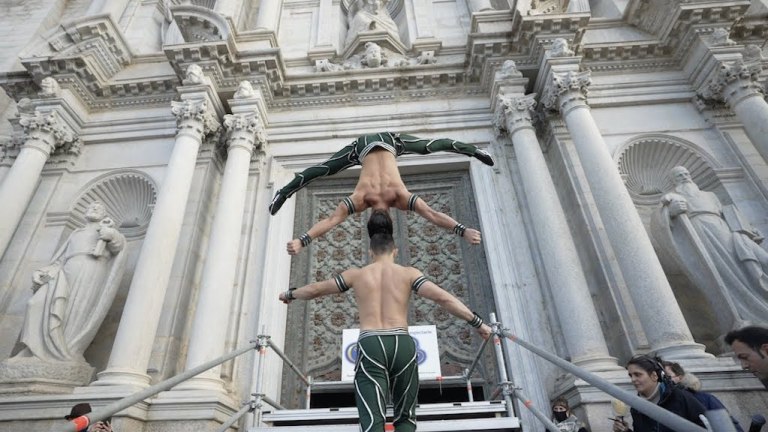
x,y
386,353
379,185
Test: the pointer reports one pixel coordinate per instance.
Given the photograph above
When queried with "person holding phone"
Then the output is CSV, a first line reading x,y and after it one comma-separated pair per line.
x,y
80,410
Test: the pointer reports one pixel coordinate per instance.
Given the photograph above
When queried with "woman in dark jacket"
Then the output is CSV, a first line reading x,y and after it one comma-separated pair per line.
x,y
647,375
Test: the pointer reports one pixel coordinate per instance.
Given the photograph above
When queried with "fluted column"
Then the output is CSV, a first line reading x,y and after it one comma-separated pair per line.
x,y
44,132
212,314
735,83
269,15
662,319
585,341
141,315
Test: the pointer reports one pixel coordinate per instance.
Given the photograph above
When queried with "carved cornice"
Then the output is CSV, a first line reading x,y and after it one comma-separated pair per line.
x,y
90,50
566,90
733,81
196,116
49,133
506,34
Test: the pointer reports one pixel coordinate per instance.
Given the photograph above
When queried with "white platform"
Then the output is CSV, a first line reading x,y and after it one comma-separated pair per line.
x,y
459,416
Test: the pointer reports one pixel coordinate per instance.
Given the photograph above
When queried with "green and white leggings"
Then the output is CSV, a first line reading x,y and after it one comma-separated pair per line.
x,y
386,362
354,153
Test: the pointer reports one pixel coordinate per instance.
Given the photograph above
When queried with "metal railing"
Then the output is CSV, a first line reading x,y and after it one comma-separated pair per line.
x,y
128,401
716,420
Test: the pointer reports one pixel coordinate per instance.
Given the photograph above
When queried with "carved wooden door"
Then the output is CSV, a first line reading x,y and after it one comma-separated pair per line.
x,y
313,335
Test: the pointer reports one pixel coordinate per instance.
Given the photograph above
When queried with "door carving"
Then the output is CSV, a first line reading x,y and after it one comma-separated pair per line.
x,y
313,334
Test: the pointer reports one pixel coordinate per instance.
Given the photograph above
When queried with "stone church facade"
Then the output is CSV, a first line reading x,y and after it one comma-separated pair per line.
x,y
184,117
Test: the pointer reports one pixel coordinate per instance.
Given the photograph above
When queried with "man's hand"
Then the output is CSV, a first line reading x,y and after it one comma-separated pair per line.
x,y
472,236
284,297
677,207
294,247
101,427
620,426
484,331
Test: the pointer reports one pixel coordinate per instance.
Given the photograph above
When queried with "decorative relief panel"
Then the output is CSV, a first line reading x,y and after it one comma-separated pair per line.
x,y
313,335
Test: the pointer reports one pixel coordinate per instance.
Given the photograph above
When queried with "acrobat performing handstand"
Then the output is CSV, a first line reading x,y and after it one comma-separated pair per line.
x,y
379,185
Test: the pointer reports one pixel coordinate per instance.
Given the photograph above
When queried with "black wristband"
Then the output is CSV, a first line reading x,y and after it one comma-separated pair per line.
x,y
459,229
305,239
289,294
476,321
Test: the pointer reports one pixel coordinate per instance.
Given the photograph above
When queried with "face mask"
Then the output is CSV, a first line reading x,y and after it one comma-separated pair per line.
x,y
560,415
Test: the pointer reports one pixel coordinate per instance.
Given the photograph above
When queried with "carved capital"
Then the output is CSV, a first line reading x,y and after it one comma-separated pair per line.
x,y
514,112
732,82
566,90
195,115
507,71
244,130
48,133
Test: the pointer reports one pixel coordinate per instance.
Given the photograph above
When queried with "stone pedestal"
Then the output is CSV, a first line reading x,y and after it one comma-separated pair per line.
x,y
30,375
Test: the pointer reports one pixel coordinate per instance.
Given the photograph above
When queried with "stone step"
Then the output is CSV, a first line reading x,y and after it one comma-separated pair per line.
x,y
485,416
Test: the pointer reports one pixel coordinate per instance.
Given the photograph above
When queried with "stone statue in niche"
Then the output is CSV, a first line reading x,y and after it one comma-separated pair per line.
x,y
49,88
370,15
73,294
717,249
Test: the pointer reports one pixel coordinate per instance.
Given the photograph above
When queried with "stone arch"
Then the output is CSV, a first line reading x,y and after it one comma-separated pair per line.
x,y
128,196
645,162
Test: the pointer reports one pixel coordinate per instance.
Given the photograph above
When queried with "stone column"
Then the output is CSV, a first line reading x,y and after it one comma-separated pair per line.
x,y
141,315
269,15
480,5
662,319
212,314
44,133
580,326
735,83
114,8
228,8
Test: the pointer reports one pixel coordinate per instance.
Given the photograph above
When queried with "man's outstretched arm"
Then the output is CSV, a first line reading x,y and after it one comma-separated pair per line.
x,y
320,228
471,236
452,305
319,289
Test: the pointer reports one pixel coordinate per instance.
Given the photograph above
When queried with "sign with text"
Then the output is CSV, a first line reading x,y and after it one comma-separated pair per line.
x,y
427,353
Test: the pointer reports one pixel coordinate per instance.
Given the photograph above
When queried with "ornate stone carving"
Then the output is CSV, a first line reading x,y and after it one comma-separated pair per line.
x,y
195,76
370,15
325,65
244,130
507,71
195,115
373,56
245,90
514,112
720,37
645,163
732,81
128,198
717,249
426,58
49,88
752,53
566,88
49,133
559,49
653,16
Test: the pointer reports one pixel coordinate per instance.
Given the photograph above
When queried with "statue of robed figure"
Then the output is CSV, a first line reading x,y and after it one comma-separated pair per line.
x,y
717,249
